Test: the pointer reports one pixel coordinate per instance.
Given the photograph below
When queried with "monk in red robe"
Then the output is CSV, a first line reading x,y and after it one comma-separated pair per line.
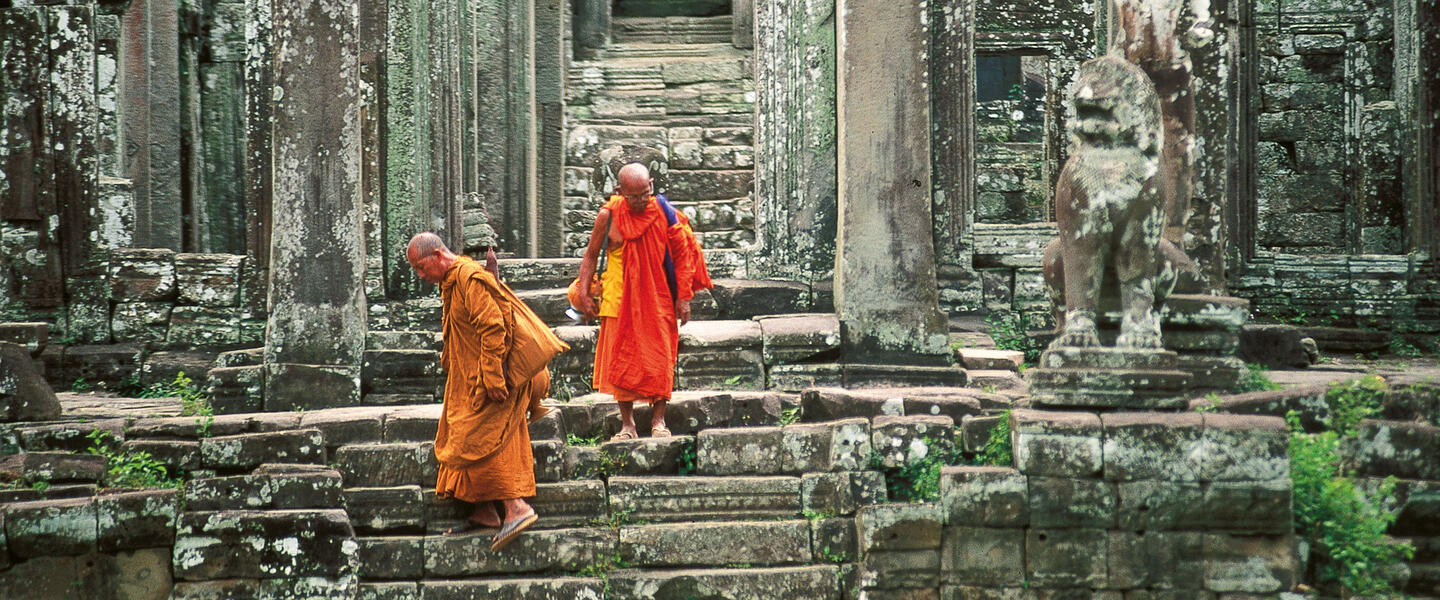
x,y
483,441
653,268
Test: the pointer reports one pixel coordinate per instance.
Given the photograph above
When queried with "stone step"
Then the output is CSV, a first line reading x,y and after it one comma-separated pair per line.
x,y
731,299
672,30
699,498
634,50
538,273
812,582
548,588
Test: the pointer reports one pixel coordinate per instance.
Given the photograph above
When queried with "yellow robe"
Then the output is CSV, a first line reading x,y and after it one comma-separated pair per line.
x,y
483,446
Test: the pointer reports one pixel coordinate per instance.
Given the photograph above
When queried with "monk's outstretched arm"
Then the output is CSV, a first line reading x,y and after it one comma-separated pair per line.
x,y
587,264
485,315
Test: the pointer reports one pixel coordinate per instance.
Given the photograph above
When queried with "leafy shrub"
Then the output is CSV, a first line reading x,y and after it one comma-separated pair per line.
x,y
998,450
1256,379
1010,330
129,469
918,480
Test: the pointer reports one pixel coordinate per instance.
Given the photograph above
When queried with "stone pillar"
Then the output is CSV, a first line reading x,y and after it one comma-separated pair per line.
x,y
550,68
742,23
1422,59
952,152
259,110
373,26
885,290
504,120
220,207
408,204
795,137
315,338
591,22
150,121
71,122
1209,33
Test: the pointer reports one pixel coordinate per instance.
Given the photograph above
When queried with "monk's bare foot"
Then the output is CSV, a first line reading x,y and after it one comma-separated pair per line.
x,y
485,515
625,434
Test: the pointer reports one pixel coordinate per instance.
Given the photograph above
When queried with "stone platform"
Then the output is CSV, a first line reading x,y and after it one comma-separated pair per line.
x,y
1109,378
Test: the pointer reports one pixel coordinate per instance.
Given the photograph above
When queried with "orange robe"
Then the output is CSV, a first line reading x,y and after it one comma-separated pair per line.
x,y
639,339
483,446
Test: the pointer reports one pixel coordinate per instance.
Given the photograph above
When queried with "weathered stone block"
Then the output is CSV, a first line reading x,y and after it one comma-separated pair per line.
x,y
831,446
898,527
65,436
983,556
1155,559
208,279
984,497
203,326
51,527
385,509
318,489
136,519
820,581
569,503
536,551
31,337
146,274
397,557
413,424
900,569
248,450
345,426
702,544
828,404
24,394
549,460
833,540
1248,506
798,337
290,386
906,440
236,389
747,451
140,321
1160,505
1402,449
1249,564
54,467
1242,447
1056,444
380,465
1058,502
259,544
1152,446
1066,557
665,499
827,493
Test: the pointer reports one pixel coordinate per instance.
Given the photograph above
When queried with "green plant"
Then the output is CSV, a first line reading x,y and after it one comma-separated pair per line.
x,y
1255,379
832,556
129,468
816,515
603,566
193,400
1353,401
918,480
734,380
1344,526
80,385
1011,331
1400,347
575,440
790,415
998,450
1212,403
686,461
615,519
40,485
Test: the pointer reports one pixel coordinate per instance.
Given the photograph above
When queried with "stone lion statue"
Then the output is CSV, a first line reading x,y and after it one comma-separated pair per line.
x,y
1110,206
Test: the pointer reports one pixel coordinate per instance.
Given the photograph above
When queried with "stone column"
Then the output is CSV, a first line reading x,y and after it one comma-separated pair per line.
x,y
373,25
409,199
550,67
1211,37
795,137
591,23
150,121
222,129
259,110
742,23
952,152
315,338
885,290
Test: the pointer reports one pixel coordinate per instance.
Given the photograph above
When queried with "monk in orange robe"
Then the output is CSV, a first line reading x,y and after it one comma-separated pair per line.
x,y
483,440
653,268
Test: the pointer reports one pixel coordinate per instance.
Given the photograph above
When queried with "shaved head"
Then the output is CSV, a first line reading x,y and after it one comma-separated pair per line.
x,y
429,256
426,243
633,182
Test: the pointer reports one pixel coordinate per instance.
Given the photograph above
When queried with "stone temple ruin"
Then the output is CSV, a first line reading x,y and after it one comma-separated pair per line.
x,y
204,207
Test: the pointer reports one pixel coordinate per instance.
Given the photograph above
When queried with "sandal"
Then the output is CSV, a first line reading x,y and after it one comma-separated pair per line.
x,y
512,530
537,414
623,436
659,431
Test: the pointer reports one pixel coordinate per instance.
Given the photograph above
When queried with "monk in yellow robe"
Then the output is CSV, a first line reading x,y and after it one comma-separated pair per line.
x,y
483,440
654,266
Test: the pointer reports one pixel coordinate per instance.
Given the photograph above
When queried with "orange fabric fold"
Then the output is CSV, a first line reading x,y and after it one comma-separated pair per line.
x,y
483,446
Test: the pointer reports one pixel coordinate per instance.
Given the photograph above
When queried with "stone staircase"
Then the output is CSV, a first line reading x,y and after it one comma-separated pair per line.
x,y
676,84
760,495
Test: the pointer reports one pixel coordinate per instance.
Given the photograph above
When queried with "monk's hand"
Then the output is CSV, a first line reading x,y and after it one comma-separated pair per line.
x,y
587,308
496,394
682,310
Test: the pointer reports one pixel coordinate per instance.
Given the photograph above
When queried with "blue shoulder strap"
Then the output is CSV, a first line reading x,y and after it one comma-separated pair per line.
x,y
671,219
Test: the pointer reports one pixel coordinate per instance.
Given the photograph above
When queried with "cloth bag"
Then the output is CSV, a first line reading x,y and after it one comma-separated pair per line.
x,y
532,344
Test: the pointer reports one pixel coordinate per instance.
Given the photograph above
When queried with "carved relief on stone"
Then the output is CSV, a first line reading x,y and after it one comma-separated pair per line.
x,y
1111,209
